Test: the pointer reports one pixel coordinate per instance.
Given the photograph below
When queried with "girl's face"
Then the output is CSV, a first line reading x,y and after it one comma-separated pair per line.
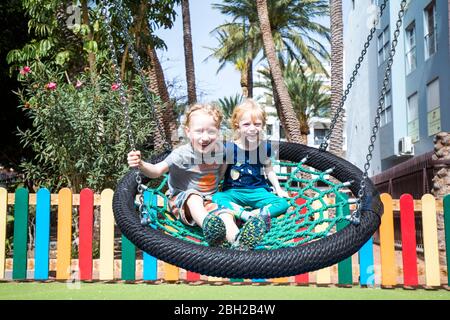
x,y
250,128
202,132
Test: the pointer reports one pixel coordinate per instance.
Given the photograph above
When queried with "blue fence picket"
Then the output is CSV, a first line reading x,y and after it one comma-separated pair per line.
x,y
150,263
366,264
41,264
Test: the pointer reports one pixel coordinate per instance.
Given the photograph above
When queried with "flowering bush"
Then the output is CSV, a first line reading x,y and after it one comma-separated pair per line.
x,y
78,132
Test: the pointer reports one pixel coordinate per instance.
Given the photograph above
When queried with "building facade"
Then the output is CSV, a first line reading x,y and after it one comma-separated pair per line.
x,y
417,103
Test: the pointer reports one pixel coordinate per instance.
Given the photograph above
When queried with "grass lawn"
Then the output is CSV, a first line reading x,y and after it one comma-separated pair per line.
x,y
121,291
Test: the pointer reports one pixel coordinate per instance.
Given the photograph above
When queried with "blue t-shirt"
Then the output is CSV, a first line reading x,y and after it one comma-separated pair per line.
x,y
246,168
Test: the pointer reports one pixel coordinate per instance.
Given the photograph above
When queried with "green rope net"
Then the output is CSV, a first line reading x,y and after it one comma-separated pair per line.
x,y
318,207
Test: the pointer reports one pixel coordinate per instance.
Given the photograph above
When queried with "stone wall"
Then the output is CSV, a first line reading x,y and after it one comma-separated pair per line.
x,y
441,181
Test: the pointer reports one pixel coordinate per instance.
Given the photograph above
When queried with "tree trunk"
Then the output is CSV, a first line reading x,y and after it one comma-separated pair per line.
x,y
158,85
165,115
337,56
289,119
91,56
188,53
250,77
244,82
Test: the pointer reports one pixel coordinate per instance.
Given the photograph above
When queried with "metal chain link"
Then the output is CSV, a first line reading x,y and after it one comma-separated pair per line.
x,y
355,216
106,11
324,144
138,67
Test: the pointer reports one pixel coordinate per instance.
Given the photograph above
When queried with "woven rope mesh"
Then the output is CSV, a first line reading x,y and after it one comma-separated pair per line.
x,y
319,206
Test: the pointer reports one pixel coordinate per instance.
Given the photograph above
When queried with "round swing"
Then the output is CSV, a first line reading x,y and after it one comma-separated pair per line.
x,y
318,230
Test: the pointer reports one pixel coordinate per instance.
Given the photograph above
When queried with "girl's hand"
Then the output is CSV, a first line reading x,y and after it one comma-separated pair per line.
x,y
283,194
134,159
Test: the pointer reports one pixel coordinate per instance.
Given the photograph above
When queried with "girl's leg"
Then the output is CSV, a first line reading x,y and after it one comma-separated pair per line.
x,y
226,199
274,204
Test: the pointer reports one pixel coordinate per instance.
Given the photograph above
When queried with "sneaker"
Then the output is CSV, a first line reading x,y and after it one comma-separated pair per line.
x,y
250,235
214,229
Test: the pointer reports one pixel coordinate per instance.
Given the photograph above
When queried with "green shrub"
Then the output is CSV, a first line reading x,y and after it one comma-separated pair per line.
x,y
78,133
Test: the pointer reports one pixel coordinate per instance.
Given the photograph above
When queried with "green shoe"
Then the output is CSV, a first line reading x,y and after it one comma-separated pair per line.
x,y
213,229
251,234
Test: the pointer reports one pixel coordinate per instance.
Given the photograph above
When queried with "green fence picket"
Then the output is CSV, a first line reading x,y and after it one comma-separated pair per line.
x,y
128,260
345,266
20,234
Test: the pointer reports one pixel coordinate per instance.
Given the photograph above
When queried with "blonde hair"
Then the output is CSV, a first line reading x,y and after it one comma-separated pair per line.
x,y
209,109
249,105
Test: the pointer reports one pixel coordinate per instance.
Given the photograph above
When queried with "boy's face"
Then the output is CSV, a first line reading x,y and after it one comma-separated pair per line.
x,y
202,132
250,128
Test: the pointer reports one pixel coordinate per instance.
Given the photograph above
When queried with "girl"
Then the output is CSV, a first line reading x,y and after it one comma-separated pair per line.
x,y
245,185
193,181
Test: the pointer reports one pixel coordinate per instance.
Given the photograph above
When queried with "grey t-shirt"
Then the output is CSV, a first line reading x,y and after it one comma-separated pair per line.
x,y
192,170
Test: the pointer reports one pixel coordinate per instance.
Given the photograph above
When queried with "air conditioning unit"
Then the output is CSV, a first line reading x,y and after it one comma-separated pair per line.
x,y
406,146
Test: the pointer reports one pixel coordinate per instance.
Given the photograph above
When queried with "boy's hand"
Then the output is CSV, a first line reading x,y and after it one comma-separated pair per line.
x,y
134,159
283,194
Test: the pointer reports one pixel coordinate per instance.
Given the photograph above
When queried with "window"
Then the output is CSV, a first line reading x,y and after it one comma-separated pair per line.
x,y
386,113
413,117
383,45
433,95
430,30
411,56
433,108
282,133
319,135
269,129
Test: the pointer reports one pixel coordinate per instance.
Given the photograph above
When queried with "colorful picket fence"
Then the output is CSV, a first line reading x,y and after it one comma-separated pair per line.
x,y
365,268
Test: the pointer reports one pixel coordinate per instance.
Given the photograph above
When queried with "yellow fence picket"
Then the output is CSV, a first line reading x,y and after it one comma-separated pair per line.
x,y
430,241
323,276
171,272
64,234
387,246
106,261
3,213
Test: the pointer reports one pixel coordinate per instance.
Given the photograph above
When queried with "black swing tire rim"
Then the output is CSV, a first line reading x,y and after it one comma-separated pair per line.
x,y
284,262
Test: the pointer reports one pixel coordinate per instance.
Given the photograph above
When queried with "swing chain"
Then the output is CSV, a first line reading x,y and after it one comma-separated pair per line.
x,y
325,142
355,217
122,96
138,67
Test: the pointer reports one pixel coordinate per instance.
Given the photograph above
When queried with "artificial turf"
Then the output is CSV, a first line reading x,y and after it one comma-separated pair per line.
x,y
122,291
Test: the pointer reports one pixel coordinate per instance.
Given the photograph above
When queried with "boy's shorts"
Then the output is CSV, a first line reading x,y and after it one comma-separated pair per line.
x,y
178,209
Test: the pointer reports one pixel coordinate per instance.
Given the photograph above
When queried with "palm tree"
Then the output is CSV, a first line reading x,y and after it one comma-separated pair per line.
x,y
188,53
288,118
242,59
165,112
293,27
293,31
227,104
337,49
308,92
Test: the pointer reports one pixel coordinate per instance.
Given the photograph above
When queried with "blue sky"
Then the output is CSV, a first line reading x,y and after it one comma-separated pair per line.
x,y
210,86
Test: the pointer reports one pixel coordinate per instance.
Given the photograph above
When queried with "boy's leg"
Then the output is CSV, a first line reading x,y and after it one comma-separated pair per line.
x,y
231,227
195,209
214,228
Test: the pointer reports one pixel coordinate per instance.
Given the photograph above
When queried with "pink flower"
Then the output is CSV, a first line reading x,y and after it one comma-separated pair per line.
x,y
79,84
115,86
25,70
50,86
